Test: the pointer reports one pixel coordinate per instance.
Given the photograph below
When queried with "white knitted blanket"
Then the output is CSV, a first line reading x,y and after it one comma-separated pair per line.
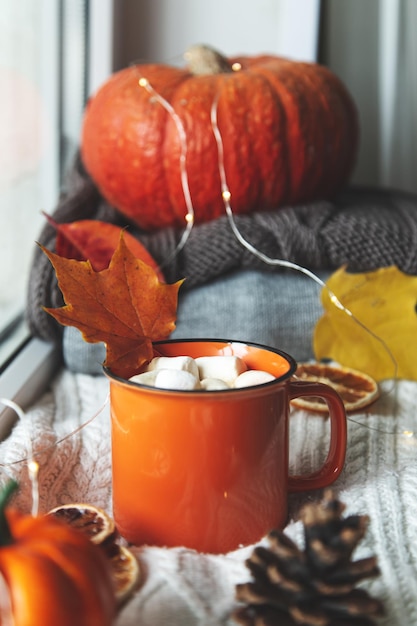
x,y
182,587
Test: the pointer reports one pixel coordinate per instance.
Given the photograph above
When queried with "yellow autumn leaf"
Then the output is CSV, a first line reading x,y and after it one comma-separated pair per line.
x,y
380,337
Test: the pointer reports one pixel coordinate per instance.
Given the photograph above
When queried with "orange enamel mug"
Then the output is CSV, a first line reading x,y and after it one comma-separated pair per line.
x,y
209,469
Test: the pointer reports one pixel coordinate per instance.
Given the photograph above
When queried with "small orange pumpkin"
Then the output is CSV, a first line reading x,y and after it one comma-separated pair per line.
x,y
51,574
289,132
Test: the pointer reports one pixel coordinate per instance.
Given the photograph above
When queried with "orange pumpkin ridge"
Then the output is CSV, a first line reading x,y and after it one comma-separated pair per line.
x,y
53,573
289,131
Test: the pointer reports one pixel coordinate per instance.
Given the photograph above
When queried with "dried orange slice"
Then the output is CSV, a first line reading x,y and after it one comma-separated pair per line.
x,y
93,521
356,389
125,571
100,529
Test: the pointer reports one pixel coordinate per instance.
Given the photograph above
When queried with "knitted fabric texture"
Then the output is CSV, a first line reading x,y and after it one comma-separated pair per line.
x,y
362,228
182,587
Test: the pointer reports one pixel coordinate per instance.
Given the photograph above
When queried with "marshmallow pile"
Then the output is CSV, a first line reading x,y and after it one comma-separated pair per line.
x,y
210,373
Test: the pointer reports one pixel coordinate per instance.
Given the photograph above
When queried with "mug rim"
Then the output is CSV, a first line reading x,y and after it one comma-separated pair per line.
x,y
291,370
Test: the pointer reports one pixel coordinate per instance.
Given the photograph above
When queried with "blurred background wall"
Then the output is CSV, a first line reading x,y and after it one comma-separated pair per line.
x,y
372,46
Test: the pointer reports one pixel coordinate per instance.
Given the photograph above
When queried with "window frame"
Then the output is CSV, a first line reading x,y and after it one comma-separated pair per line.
x,y
29,363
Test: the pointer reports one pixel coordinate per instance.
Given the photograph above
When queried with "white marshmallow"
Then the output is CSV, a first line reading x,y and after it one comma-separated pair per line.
x,y
208,373
253,377
213,384
146,378
176,379
227,368
182,363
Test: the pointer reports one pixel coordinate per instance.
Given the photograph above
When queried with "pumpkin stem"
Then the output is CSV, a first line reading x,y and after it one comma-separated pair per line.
x,y
5,495
205,60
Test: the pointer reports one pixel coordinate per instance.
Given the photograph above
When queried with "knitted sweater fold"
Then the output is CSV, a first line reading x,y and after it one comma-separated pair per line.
x,y
182,587
362,228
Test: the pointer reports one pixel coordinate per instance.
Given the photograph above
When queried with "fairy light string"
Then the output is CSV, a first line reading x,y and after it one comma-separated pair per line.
x,y
189,216
30,460
33,465
403,433
227,196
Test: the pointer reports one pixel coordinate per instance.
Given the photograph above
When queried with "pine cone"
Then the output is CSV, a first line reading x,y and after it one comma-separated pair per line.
x,y
314,587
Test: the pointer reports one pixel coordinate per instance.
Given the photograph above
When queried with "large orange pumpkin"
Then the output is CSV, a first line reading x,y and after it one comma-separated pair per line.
x,y
51,574
289,131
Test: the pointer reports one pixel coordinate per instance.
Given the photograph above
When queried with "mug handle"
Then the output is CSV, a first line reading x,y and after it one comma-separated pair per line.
x,y
335,459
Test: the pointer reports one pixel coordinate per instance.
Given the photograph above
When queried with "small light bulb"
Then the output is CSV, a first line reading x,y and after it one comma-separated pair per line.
x,y
226,195
236,66
33,467
335,300
189,218
143,82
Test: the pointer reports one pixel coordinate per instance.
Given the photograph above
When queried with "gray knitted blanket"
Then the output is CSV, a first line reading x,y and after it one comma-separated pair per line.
x,y
362,228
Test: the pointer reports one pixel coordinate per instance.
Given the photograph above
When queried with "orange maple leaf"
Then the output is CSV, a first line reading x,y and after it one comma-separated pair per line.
x,y
125,306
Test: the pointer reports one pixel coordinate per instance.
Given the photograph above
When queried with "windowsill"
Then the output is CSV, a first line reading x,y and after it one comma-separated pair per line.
x,y
13,335
25,377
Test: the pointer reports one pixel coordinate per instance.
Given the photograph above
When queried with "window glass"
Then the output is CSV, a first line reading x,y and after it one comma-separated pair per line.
x,y
43,85
28,120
